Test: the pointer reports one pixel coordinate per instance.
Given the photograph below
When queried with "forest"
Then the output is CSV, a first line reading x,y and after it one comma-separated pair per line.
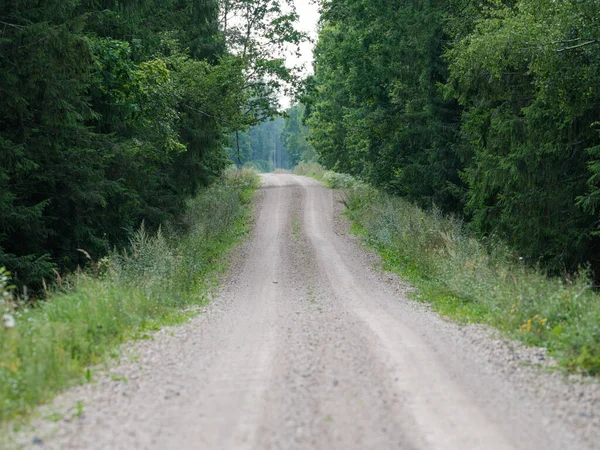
x,y
486,110
114,114
464,133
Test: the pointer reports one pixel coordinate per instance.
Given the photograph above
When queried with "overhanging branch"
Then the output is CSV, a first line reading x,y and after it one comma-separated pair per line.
x,y
583,44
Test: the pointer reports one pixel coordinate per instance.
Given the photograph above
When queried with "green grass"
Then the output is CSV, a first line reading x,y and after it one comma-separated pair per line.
x,y
471,280
332,179
157,282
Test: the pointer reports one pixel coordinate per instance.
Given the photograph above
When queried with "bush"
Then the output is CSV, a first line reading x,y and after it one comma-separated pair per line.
x,y
339,180
310,169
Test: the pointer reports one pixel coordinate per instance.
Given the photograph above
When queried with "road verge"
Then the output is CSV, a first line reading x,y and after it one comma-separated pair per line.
x,y
475,281
160,280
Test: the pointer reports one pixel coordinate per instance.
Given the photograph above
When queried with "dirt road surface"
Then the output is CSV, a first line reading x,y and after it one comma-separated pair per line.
x,y
309,347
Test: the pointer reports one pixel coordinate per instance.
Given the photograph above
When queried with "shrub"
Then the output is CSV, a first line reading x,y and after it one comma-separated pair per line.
x,y
339,180
310,169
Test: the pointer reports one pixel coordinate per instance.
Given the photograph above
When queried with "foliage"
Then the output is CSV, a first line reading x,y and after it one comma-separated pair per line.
x,y
258,32
310,169
115,114
261,147
338,180
279,143
480,281
374,104
528,77
94,127
124,295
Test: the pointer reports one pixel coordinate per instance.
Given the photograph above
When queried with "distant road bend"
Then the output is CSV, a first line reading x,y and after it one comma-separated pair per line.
x,y
309,347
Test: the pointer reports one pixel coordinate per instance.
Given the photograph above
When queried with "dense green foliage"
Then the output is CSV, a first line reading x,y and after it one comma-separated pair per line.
x,y
114,113
485,109
130,294
295,137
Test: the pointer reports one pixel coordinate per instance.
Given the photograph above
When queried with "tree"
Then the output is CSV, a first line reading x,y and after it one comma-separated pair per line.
x,y
376,110
528,77
262,146
259,32
105,124
485,109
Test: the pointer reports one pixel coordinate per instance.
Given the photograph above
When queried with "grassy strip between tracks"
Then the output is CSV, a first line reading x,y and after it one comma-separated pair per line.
x,y
124,296
470,280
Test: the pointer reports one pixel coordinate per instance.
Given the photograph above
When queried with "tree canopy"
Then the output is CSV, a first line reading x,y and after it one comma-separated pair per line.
x,y
487,109
116,112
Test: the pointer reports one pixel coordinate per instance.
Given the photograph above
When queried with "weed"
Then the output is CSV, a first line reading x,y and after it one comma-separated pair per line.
x,y
118,377
54,417
78,409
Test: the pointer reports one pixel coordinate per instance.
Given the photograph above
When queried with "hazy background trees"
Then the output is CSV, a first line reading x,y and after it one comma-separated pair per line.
x,y
280,143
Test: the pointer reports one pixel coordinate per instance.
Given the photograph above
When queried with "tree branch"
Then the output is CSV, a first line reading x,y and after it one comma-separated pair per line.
x,y
583,44
18,27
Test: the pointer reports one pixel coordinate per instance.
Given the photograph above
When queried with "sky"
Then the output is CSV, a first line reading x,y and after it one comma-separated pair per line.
x,y
309,17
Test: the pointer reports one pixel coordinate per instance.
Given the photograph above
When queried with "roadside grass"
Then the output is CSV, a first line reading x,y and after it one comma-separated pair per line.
x,y
159,281
332,179
313,170
484,282
471,280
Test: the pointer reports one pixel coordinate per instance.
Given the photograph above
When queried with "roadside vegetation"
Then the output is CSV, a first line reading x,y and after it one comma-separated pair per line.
x,y
474,280
159,279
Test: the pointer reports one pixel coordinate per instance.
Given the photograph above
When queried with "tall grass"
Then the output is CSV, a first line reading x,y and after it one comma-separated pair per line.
x,y
310,169
472,280
332,179
52,345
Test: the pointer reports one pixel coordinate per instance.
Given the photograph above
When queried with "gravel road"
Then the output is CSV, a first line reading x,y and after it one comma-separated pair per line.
x,y
309,346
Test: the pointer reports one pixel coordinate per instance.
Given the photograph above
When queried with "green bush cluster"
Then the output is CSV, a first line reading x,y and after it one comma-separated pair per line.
x,y
124,295
310,169
481,281
338,180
